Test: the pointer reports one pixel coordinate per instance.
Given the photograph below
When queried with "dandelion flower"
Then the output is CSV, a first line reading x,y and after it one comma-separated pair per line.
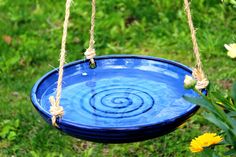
x,y
208,139
231,50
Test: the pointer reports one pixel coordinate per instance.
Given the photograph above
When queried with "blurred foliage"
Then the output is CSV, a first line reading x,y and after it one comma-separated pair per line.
x,y
232,2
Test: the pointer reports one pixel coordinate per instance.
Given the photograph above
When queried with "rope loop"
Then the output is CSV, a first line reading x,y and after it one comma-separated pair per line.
x,y
202,81
90,53
56,110
198,74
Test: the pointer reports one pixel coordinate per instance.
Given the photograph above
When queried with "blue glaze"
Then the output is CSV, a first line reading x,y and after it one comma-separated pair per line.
x,y
125,99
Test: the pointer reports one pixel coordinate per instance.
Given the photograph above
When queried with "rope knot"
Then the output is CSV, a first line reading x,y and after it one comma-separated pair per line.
x,y
202,81
56,110
90,53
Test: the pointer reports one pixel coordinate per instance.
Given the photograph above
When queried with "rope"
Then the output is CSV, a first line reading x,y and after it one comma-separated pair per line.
x,y
198,74
90,53
56,110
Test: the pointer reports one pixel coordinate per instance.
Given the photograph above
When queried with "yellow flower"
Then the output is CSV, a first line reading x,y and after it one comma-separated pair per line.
x,y
208,139
231,50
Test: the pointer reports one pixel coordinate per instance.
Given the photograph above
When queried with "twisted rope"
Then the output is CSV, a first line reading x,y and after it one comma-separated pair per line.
x,y
56,110
90,53
198,74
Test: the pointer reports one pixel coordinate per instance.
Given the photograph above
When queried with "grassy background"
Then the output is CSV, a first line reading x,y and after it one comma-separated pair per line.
x,y
30,34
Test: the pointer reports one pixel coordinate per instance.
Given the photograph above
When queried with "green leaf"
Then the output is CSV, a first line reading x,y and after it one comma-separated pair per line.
x,y
34,154
229,138
208,152
224,102
213,119
89,152
17,123
233,92
211,107
11,136
201,102
4,132
230,152
232,121
214,155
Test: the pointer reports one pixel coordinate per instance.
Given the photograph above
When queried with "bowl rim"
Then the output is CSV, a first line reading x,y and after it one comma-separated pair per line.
x,y
63,122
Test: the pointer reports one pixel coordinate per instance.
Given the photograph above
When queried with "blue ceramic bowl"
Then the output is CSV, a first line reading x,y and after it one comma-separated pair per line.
x,y
126,98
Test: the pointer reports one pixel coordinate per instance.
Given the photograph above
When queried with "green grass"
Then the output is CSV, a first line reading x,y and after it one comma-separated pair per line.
x,y
155,27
